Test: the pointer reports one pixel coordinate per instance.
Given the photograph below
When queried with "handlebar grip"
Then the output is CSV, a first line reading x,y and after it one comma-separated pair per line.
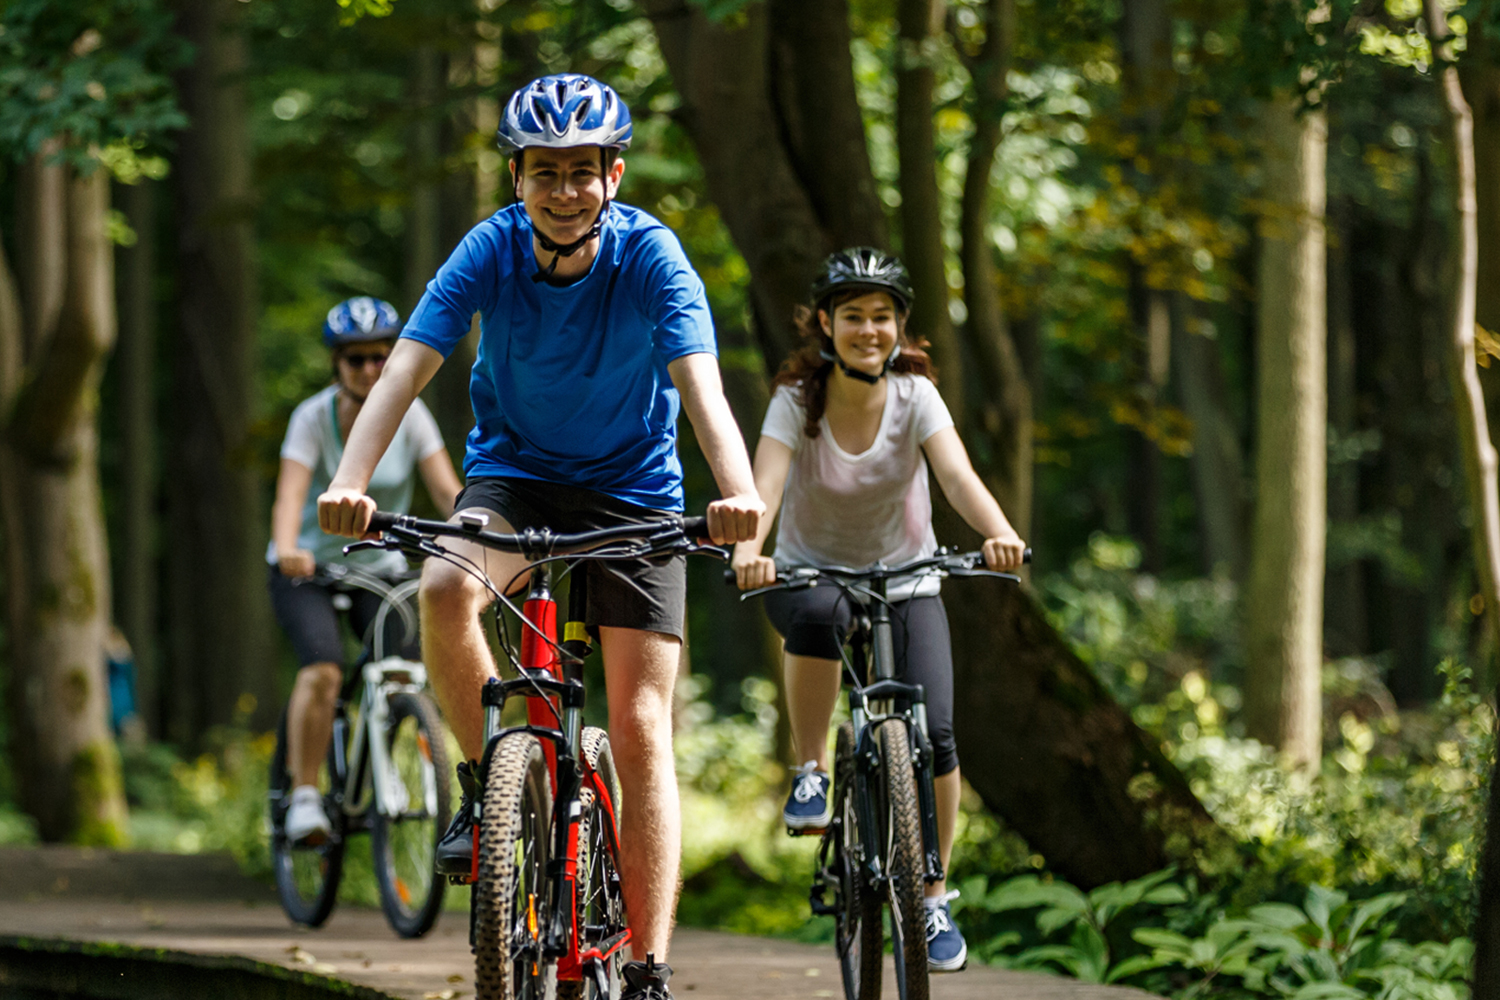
x,y
695,528
730,577
383,520
1026,556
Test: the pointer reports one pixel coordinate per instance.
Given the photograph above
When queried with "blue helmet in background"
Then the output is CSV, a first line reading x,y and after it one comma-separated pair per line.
x,y
357,320
563,110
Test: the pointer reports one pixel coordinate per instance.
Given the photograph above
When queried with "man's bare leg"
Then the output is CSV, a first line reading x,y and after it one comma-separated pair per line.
x,y
454,647
640,671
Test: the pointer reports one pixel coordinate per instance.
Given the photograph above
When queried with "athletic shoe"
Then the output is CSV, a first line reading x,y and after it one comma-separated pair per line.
x,y
946,950
807,807
306,821
645,980
455,849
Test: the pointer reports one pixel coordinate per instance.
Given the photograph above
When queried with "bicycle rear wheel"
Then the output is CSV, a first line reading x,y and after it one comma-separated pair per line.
x,y
411,894
902,843
307,875
601,921
858,934
510,895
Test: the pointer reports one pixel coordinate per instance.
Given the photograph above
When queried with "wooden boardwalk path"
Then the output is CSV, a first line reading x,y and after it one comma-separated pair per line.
x,y
201,908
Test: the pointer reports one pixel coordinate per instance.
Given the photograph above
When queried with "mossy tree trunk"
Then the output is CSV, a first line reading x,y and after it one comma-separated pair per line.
x,y
1284,598
54,340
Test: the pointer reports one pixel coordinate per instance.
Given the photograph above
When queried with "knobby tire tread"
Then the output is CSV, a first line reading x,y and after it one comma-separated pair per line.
x,y
517,804
597,758
904,862
404,920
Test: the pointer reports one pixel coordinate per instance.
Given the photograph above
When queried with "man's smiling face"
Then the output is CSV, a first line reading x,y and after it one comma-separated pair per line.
x,y
563,189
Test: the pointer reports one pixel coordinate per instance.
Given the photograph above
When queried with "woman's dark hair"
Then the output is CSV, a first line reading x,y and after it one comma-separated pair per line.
x,y
806,371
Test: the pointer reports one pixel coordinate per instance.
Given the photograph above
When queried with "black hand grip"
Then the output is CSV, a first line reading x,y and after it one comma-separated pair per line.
x,y
695,527
731,577
1026,556
383,520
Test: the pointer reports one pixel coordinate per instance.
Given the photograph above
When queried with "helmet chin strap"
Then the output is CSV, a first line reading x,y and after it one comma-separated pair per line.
x,y
855,373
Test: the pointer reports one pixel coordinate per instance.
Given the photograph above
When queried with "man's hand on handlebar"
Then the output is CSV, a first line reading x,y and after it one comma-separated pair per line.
x,y
296,563
345,512
735,519
753,571
1005,553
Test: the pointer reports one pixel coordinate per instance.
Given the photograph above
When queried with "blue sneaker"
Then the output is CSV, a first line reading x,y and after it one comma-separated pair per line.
x,y
946,950
807,807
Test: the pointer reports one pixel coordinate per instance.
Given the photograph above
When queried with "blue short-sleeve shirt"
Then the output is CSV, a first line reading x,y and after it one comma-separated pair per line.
x,y
571,383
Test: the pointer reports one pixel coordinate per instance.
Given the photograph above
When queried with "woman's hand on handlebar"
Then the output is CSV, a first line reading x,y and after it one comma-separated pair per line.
x,y
345,512
752,571
296,563
1004,553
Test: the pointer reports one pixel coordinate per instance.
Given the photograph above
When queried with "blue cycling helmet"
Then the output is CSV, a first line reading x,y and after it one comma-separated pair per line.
x,y
566,109
361,319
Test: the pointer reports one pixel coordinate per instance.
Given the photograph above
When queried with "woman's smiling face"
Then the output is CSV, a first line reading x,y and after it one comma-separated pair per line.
x,y
864,330
564,189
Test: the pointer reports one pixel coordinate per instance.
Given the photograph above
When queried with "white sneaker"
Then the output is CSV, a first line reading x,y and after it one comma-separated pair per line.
x,y
305,819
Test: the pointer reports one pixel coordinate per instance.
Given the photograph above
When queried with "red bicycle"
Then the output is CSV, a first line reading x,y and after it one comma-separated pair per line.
x,y
548,913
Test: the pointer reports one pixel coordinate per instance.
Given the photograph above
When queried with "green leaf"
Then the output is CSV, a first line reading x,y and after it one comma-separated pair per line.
x,y
1133,965
1027,891
1282,916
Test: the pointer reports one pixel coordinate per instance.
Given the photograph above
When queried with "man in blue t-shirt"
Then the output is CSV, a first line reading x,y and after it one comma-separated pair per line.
x,y
594,333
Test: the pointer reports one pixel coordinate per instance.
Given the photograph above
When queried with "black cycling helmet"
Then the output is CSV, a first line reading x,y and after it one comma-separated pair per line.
x,y
863,269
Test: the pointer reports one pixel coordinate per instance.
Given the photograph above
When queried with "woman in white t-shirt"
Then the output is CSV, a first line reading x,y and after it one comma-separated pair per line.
x,y
359,333
844,452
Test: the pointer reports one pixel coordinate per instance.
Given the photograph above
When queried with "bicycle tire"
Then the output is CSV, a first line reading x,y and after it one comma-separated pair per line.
x,y
307,877
902,848
403,848
510,895
600,901
858,935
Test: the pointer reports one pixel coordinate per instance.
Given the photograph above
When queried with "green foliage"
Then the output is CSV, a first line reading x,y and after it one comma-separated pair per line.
x,y
353,10
93,73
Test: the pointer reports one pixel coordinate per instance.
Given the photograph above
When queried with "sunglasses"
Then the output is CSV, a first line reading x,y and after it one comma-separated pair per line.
x,y
360,360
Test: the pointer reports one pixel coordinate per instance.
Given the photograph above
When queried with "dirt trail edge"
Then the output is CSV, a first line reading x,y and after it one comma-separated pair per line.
x,y
200,905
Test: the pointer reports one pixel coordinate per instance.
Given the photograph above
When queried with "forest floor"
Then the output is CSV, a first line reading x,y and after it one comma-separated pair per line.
x,y
202,905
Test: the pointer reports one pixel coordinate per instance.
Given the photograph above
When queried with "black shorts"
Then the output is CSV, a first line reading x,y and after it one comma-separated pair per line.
x,y
646,594
305,611
815,621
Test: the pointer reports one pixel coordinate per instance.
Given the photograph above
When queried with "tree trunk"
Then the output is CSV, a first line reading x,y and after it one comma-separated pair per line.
x,y
220,621
57,563
135,365
1218,466
1284,598
1003,413
721,71
1051,752
920,23
1344,597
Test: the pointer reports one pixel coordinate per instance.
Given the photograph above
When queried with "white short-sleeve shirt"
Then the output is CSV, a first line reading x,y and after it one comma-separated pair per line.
x,y
313,440
849,510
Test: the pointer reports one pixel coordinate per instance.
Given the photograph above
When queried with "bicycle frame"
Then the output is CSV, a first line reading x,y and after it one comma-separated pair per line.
x,y
554,692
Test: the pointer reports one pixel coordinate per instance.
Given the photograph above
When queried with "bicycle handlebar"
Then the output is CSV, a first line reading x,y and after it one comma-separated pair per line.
x,y
534,543
949,563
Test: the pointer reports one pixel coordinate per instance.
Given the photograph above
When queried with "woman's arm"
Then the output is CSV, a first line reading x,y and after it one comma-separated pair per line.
x,y
773,461
1003,548
441,481
286,519
344,509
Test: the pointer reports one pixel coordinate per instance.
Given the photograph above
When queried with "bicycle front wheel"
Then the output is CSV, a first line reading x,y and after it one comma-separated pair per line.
x,y
307,875
510,895
858,935
417,796
902,842
600,903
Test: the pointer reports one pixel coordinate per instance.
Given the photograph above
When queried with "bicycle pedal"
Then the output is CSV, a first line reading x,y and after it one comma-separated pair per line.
x,y
806,832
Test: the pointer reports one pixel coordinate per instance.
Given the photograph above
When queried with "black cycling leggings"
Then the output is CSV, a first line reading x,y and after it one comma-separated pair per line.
x,y
305,610
815,621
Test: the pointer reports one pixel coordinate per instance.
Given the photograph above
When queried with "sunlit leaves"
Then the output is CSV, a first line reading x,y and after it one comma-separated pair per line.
x,y
94,73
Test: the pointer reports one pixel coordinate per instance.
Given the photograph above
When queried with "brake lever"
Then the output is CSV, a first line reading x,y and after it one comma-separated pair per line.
x,y
370,543
701,548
